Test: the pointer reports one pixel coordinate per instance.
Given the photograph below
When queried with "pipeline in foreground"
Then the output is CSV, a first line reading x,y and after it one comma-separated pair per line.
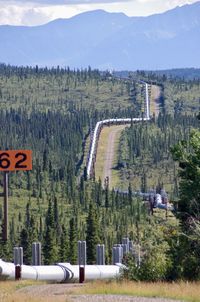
x,y
61,272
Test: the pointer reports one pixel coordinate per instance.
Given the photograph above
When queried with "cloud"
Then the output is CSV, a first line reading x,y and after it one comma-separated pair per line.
x,y
19,15
32,15
37,12
61,2
35,16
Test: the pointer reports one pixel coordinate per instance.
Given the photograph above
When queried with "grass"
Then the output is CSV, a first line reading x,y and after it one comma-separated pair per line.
x,y
100,159
9,292
115,173
185,291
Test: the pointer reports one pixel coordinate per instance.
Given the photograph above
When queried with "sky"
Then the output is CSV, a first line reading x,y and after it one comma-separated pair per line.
x,y
37,12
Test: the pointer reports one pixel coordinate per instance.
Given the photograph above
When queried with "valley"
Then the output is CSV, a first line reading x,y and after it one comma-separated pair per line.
x,y
55,203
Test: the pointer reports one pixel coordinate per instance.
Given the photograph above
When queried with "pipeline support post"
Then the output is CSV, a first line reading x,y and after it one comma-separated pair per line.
x,y
18,261
81,260
36,253
81,274
18,272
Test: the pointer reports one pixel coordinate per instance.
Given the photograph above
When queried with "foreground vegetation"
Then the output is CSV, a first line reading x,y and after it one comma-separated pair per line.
x,y
179,291
8,291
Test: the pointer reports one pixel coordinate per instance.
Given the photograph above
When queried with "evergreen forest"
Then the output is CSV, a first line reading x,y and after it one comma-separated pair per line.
x,y
53,112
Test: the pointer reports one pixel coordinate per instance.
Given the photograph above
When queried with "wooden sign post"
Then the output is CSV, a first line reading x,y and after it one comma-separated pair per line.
x,y
12,160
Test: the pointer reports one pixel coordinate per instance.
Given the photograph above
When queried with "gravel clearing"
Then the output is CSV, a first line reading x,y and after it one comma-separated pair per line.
x,y
116,298
67,293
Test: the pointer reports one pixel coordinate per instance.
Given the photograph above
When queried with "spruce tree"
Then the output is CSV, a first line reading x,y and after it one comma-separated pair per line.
x,y
92,234
72,252
64,245
27,236
50,249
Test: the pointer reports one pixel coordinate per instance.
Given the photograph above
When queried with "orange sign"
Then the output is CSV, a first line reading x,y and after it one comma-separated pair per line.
x,y
15,160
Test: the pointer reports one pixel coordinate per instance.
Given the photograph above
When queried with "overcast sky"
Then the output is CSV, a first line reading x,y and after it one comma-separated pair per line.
x,y
36,12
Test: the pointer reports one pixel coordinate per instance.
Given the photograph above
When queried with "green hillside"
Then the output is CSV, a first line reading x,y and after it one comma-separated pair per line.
x,y
52,112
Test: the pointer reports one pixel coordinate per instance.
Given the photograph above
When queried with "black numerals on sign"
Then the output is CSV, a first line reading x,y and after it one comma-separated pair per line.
x,y
23,158
10,162
4,160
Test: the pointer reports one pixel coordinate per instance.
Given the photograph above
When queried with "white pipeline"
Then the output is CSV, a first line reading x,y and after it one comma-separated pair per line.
x,y
61,272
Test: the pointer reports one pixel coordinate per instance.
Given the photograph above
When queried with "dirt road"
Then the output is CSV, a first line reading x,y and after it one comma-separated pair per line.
x,y
111,148
155,99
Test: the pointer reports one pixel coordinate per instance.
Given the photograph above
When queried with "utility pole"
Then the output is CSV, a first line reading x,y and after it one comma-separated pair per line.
x,y
5,196
12,160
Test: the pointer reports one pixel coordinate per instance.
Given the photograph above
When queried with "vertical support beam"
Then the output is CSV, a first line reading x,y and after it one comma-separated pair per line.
x,y
18,261
36,253
125,248
117,254
82,253
5,194
125,245
18,255
100,251
114,255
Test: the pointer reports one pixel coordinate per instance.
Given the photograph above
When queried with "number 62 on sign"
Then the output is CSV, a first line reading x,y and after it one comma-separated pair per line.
x,y
16,160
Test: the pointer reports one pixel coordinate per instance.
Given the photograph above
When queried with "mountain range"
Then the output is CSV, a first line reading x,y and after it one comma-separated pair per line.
x,y
108,41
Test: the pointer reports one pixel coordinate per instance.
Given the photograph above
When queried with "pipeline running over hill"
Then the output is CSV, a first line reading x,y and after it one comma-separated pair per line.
x,y
115,121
